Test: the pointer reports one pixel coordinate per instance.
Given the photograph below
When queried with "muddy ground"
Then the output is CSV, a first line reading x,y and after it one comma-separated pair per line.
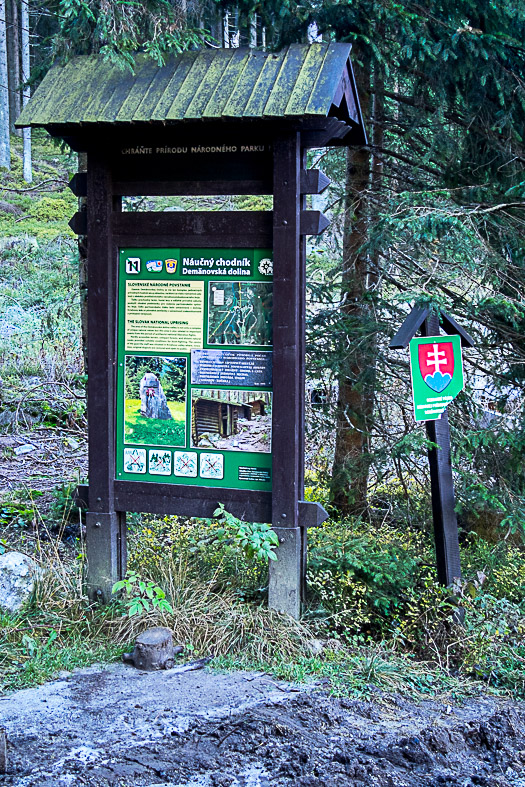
x,y
119,726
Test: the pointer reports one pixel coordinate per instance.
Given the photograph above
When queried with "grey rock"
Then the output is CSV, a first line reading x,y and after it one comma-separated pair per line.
x,y
24,449
153,402
18,574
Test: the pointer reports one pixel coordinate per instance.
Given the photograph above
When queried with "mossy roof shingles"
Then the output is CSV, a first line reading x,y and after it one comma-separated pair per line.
x,y
299,81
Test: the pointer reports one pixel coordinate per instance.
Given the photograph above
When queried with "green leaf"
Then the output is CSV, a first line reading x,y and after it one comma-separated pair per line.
x,y
118,586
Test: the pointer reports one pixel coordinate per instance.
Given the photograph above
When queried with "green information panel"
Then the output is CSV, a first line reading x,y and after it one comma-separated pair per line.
x,y
194,382
437,374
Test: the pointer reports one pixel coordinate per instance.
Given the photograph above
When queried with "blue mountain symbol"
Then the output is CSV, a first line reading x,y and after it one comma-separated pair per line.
x,y
437,381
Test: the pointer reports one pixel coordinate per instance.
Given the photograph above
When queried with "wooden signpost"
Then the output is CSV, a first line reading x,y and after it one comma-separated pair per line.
x,y
196,319
438,433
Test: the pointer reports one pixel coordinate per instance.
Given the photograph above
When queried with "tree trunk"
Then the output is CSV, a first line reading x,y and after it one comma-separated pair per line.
x,y
13,64
153,650
26,95
5,149
374,278
348,487
253,31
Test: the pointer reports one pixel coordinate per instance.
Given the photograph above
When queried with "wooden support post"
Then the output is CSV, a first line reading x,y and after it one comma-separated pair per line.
x,y
286,574
442,489
105,527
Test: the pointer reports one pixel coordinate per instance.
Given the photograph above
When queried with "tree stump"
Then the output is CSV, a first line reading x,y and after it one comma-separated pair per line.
x,y
153,650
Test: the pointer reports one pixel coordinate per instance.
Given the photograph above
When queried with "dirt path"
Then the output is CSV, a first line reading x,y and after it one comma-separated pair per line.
x,y
53,456
118,726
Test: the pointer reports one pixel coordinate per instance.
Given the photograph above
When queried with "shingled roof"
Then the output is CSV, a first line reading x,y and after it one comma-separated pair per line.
x,y
301,81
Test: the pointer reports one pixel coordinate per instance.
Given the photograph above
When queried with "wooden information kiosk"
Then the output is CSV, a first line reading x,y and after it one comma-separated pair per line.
x,y
196,319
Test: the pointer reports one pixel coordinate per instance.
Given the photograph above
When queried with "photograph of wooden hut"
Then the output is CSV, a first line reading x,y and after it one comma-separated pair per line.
x,y
231,420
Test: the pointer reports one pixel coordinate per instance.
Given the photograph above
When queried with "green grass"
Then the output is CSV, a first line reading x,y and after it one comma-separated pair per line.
x,y
151,431
32,663
358,672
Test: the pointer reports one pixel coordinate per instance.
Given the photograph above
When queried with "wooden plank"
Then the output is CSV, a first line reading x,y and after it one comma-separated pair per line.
x,y
313,181
409,327
442,489
350,96
217,65
157,88
78,184
35,112
238,160
198,501
257,504
415,320
191,188
78,222
452,327
311,514
301,393
302,379
328,79
313,222
238,98
311,68
321,137
101,105
105,530
101,332
59,112
189,87
225,86
146,71
287,415
286,81
354,109
197,224
264,85
121,90
170,239
164,102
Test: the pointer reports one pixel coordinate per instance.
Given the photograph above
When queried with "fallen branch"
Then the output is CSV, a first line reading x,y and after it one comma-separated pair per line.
x,y
36,187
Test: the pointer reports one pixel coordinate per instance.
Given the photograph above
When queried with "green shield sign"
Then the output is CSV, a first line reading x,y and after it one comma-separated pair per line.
x,y
436,368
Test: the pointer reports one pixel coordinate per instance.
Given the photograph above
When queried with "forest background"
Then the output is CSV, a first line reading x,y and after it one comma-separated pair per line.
x,y
430,212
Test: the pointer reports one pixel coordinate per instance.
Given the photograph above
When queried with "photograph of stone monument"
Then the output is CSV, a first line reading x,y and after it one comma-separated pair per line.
x,y
155,400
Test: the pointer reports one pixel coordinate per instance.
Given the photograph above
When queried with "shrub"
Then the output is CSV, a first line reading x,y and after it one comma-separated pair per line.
x,y
359,578
53,209
200,547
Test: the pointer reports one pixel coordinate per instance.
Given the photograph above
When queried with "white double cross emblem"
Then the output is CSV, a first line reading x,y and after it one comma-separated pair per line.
x,y
436,357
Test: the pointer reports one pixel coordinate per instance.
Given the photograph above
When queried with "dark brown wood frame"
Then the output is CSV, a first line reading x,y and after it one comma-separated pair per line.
x,y
284,229
444,518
